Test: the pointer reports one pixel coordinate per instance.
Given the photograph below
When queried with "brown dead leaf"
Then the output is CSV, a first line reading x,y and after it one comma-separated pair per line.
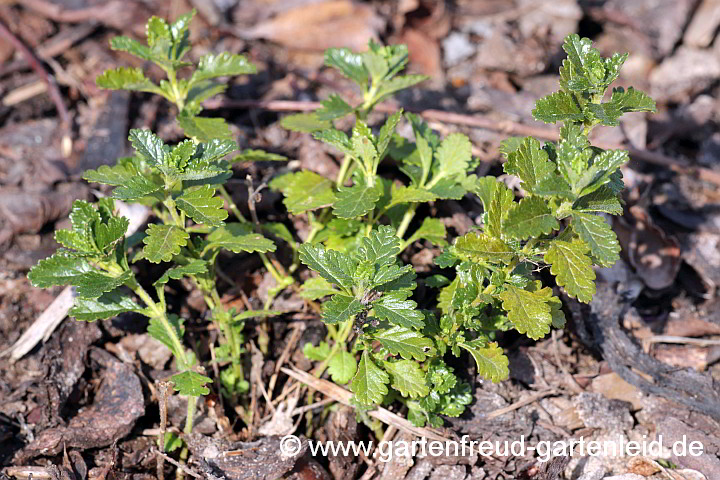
x,y
321,25
655,256
118,404
424,53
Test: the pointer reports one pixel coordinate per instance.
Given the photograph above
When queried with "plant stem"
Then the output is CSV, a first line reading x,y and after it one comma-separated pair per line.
x,y
344,168
231,204
405,222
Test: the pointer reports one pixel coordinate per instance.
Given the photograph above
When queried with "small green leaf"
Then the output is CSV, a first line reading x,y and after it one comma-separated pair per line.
x,y
319,353
133,47
341,308
336,138
163,242
530,163
400,195
502,200
572,267
149,146
432,230
490,359
369,382
335,267
454,155
63,268
407,377
239,237
123,78
304,122
317,287
202,206
332,108
220,65
157,28
381,247
529,312
481,247
107,305
157,330
135,188
596,232
604,199
406,342
191,383
304,190
204,129
348,63
398,83
107,234
558,107
118,174
251,155
342,367
195,267
357,200
398,310
172,442
531,217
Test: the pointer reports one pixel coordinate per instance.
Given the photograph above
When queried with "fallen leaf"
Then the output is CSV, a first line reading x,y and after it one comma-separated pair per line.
x,y
321,25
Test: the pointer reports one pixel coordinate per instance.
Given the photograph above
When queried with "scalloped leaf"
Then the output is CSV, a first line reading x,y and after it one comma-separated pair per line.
x,y
163,242
572,267
370,382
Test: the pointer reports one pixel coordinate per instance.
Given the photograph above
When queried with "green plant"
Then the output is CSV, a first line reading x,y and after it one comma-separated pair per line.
x,y
379,340
179,183
354,246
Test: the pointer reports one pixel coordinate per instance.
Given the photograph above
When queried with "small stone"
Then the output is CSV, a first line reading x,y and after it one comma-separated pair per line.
x,y
457,47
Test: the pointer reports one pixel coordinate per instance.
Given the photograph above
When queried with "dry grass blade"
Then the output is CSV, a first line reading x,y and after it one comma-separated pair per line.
x,y
343,396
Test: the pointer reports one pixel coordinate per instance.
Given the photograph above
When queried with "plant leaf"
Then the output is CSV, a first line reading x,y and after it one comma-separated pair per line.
x,y
490,359
348,63
63,268
356,201
604,199
454,155
400,195
406,342
304,190
107,305
317,287
252,155
304,122
239,237
530,163
342,367
191,383
531,217
332,108
558,107
369,382
135,188
125,78
163,242
333,266
432,230
528,311
398,310
341,308
149,146
407,377
204,129
572,267
220,65
598,235
202,206
195,267
476,247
